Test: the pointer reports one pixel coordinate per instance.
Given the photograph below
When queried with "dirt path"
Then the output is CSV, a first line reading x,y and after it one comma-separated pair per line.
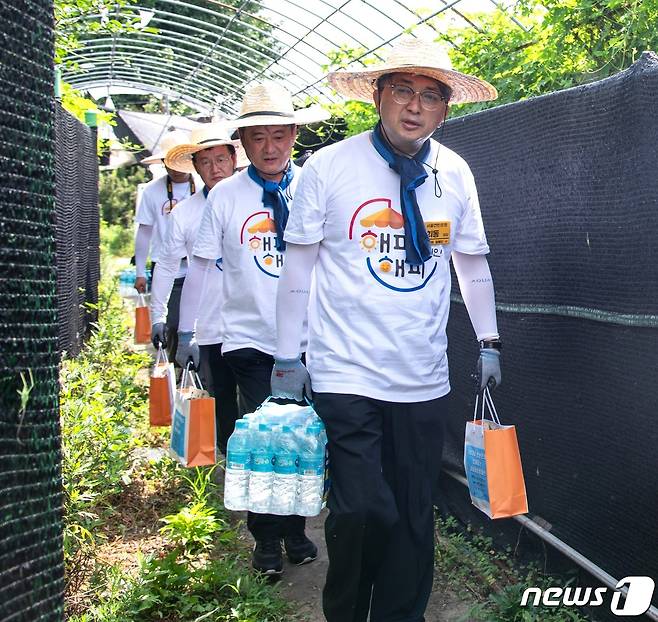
x,y
303,584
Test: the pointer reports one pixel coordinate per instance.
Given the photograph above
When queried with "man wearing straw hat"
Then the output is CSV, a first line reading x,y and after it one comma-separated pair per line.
x,y
378,217
242,228
156,203
212,154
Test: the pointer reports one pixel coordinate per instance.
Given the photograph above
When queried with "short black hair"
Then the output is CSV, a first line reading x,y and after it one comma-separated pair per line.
x,y
444,89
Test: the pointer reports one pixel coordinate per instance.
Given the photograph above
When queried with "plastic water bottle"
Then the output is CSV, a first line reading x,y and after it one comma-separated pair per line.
x,y
238,468
284,488
310,473
262,469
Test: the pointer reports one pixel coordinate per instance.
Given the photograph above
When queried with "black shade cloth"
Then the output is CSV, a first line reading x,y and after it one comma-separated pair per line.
x,y
31,562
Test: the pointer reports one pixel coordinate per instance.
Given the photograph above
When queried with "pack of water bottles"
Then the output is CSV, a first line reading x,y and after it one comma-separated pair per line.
x,y
276,461
127,281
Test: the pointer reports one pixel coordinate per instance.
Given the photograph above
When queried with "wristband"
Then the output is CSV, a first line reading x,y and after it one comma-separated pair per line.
x,y
493,344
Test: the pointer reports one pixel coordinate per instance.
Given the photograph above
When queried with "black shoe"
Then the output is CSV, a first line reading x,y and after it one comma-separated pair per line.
x,y
267,558
299,549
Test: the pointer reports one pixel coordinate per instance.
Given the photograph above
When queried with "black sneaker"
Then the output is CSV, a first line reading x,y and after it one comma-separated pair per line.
x,y
299,549
267,558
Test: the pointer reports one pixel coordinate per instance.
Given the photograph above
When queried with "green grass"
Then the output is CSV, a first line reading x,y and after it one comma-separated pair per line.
x,y
198,569
476,570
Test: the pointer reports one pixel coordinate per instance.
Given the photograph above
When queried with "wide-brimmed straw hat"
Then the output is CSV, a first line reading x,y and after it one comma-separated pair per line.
x,y
415,56
205,136
168,141
269,103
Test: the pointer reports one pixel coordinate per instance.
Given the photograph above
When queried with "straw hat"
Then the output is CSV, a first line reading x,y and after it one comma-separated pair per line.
x,y
207,135
168,141
411,55
269,103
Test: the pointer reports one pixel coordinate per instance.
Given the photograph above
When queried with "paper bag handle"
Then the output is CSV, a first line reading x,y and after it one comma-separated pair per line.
x,y
141,300
190,378
161,355
488,400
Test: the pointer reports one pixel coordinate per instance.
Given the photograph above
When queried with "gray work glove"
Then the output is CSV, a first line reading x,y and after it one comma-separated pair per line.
x,y
290,379
159,335
187,349
488,368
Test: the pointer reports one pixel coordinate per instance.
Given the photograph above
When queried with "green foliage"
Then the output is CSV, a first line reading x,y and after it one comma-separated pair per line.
x,y
116,240
469,562
100,406
117,193
200,571
566,43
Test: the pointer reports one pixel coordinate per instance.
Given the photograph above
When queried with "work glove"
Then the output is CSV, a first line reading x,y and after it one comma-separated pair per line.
x,y
187,349
488,373
159,335
290,379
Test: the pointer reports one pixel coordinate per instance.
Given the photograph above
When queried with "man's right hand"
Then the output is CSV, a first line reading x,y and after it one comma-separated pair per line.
x,y
187,349
159,335
140,284
290,379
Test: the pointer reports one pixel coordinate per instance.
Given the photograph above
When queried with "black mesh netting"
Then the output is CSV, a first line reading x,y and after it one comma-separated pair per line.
x,y
31,564
569,191
78,258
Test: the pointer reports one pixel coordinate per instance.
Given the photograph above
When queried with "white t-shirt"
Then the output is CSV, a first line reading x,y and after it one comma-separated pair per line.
x,y
154,208
184,222
238,228
376,324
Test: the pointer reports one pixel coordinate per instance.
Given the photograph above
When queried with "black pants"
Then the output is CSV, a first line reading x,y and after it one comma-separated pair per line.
x,y
173,313
216,374
384,461
253,369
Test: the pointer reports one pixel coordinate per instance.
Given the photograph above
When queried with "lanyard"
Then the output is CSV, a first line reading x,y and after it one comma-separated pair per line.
x,y
170,190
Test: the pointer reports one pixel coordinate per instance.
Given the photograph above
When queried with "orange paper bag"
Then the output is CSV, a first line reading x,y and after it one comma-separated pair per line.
x,y
493,464
193,434
142,321
162,389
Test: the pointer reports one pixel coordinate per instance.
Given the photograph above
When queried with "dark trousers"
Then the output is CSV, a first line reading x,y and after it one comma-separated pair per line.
x,y
217,375
384,461
173,313
253,369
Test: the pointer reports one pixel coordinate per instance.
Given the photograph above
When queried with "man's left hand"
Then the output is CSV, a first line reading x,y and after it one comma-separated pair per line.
x,y
488,373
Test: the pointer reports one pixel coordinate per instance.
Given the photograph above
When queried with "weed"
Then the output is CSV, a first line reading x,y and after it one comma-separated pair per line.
x,y
469,562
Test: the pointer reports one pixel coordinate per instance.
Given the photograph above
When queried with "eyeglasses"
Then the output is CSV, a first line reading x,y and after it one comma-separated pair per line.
x,y
220,161
429,100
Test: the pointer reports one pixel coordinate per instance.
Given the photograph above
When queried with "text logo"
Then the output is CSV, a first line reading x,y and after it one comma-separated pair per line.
x,y
636,602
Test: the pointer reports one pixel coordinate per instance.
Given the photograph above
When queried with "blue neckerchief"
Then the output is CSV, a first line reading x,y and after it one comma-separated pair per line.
x,y
206,190
274,196
412,174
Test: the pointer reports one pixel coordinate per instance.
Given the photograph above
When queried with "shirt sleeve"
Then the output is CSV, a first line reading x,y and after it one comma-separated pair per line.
x,y
146,214
210,235
470,237
308,209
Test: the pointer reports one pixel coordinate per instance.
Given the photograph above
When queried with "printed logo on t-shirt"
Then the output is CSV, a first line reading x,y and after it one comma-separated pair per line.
x,y
258,234
379,231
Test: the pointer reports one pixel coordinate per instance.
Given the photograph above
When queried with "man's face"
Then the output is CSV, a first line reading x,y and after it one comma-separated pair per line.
x,y
214,164
269,148
407,126
176,176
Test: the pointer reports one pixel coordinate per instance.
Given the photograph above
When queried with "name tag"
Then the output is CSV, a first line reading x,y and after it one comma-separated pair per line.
x,y
438,232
